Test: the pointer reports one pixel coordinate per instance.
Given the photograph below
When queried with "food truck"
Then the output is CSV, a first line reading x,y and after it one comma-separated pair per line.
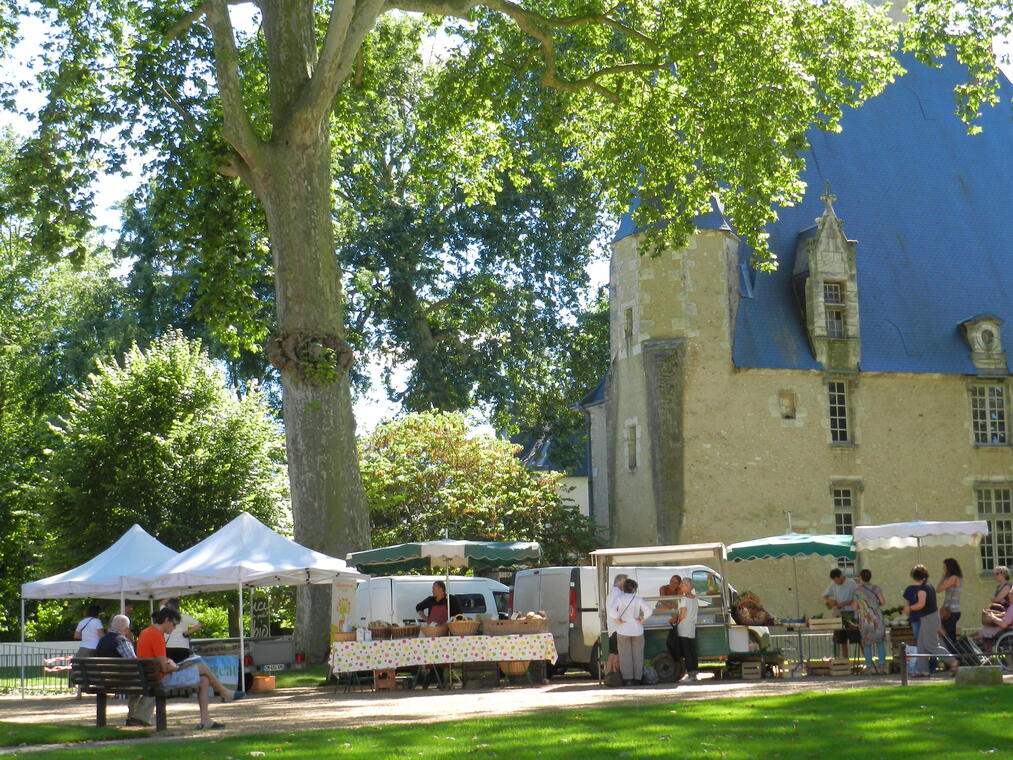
x,y
718,637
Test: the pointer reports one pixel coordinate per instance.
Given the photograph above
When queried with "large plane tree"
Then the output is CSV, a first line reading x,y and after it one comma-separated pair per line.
x,y
674,100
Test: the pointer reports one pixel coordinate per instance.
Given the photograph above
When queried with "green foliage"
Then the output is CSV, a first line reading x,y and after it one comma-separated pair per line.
x,y
425,476
158,440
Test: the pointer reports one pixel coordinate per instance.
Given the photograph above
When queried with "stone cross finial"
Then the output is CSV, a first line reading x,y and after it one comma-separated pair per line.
x,y
828,199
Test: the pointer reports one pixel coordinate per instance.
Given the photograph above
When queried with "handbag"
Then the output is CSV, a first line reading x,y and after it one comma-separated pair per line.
x,y
614,679
944,613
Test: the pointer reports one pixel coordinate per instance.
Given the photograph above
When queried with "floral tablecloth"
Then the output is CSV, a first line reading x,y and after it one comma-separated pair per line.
x,y
349,656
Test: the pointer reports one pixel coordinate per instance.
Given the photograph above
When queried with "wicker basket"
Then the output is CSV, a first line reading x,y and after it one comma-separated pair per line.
x,y
404,631
464,627
379,631
511,627
431,631
514,667
343,636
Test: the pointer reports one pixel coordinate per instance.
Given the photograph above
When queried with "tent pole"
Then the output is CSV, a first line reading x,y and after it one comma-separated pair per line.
x,y
242,644
123,604
21,650
798,614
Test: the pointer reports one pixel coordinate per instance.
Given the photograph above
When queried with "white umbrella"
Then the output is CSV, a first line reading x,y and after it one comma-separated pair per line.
x,y
919,533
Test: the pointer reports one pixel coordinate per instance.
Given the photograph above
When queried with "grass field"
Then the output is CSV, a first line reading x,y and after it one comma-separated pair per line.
x,y
311,675
873,723
14,734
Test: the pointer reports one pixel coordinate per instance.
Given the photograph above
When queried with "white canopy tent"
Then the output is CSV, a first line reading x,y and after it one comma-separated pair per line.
x,y
243,554
102,577
919,533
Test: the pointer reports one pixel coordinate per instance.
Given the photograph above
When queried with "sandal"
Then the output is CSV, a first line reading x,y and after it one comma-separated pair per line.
x,y
210,726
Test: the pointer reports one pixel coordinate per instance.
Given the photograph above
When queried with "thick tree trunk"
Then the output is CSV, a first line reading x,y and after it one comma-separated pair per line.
x,y
328,504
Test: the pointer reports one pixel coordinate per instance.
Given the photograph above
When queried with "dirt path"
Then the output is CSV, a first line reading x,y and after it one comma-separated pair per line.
x,y
317,708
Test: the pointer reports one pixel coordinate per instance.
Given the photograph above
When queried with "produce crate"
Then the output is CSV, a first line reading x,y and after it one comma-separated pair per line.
x,y
837,667
480,675
825,624
901,634
752,671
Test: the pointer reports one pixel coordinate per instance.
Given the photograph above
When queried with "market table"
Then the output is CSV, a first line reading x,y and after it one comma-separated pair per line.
x,y
383,654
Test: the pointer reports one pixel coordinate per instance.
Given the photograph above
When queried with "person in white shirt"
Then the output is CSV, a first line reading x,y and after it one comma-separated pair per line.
x,y
839,597
628,612
616,590
689,608
178,644
88,632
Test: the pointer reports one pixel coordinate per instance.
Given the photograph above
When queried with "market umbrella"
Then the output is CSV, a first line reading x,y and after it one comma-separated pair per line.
x,y
919,533
426,555
794,545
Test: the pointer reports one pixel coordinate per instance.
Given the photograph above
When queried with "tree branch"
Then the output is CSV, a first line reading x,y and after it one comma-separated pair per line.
x,y
194,16
237,129
350,22
540,28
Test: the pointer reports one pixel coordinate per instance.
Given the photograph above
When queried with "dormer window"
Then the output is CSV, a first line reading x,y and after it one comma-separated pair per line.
x,y
834,309
984,338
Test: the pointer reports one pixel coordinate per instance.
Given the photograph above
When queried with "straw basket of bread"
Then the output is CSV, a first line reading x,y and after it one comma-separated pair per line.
x,y
379,629
532,622
404,631
459,625
431,630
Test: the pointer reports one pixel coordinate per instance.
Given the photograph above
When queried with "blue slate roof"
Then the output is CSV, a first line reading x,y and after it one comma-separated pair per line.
x,y
932,210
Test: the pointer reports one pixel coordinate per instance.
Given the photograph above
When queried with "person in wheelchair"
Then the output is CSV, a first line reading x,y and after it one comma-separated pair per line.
x,y
994,623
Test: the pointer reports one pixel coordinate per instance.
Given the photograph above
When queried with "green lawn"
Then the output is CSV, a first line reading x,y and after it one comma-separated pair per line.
x,y
13,734
311,675
873,723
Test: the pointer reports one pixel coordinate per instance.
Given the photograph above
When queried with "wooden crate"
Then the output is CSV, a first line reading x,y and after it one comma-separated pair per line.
x,y
752,671
825,624
837,667
384,680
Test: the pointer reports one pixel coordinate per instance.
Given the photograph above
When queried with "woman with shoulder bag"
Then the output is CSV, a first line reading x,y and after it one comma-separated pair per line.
x,y
628,612
952,584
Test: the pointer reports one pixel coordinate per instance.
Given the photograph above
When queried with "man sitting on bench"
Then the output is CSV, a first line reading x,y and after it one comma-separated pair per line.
x,y
151,643
117,643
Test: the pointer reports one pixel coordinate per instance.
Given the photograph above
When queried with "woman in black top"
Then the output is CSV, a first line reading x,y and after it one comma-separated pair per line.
x,y
928,615
434,607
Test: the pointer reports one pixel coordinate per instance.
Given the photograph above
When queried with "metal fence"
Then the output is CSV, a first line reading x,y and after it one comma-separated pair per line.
x,y
816,646
45,667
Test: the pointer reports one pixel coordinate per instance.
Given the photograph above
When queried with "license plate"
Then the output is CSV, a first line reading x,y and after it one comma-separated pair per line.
x,y
275,666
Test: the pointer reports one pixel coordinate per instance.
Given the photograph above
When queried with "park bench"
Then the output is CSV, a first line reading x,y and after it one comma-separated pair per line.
x,y
103,676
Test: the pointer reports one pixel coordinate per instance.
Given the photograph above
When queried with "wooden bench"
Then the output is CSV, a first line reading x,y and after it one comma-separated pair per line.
x,y
138,677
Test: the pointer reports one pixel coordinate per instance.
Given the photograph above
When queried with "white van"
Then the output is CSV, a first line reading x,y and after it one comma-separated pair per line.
x,y
392,598
569,596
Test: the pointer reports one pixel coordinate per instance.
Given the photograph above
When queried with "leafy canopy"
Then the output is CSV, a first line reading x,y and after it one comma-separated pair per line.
x,y
427,476
672,102
158,440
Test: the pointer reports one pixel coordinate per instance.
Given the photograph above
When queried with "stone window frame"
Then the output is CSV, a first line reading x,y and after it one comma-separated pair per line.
x,y
993,503
981,425
838,400
835,309
632,435
844,501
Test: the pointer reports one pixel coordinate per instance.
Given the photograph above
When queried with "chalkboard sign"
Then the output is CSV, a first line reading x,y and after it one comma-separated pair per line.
x,y
260,616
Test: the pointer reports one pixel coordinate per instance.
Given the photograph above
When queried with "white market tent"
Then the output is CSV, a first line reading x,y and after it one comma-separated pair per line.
x,y
104,576
245,553
919,533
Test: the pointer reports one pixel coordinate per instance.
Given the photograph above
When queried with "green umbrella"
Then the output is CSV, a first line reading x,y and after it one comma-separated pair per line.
x,y
426,555
794,545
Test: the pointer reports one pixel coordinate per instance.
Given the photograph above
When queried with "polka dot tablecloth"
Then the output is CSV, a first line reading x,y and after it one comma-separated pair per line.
x,y
350,656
